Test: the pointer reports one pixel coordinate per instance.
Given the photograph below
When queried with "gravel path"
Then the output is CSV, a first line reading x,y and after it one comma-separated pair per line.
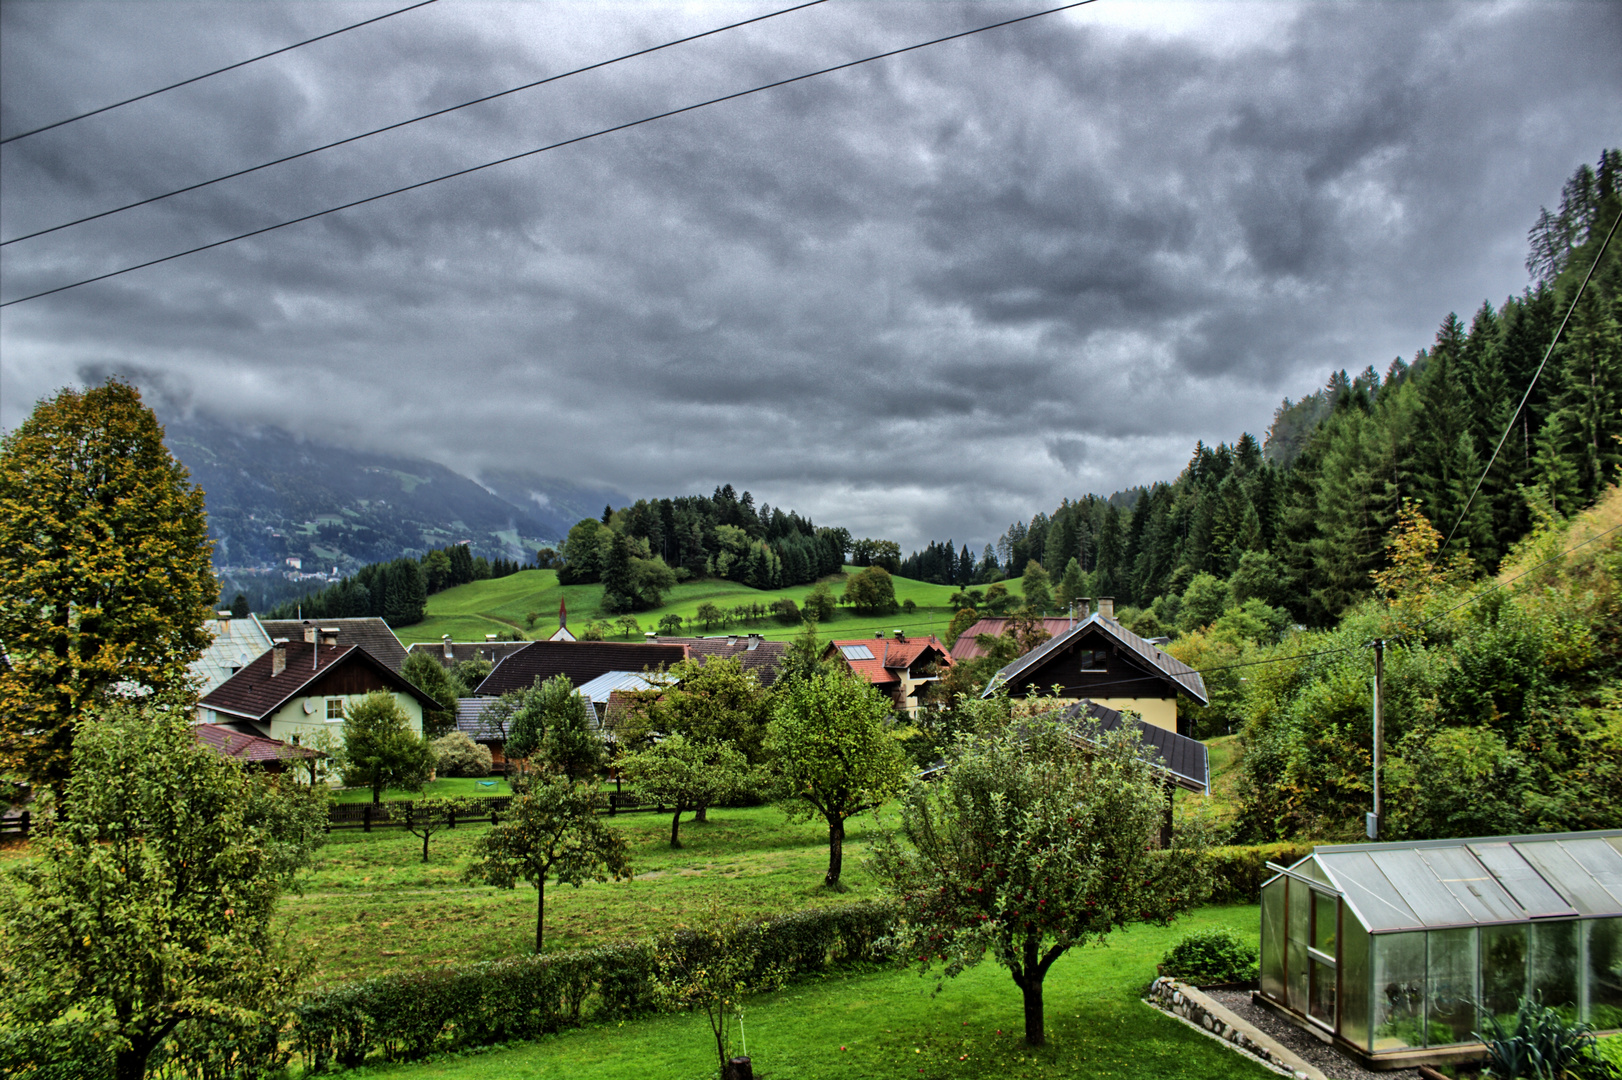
x,y
1334,1064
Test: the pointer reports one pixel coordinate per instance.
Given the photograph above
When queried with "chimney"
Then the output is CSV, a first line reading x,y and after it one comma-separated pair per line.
x,y
489,638
878,635
1106,607
278,659
450,654
732,639
309,631
899,636
329,635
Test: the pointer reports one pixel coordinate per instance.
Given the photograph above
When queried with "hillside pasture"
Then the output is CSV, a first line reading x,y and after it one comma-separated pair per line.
x,y
500,606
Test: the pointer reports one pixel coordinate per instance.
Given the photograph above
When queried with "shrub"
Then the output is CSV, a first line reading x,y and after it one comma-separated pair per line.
x,y
1220,955
409,1016
1238,871
786,611
455,754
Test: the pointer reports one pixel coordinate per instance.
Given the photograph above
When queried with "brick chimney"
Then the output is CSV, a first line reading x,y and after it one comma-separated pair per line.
x,y
1106,607
450,654
309,631
278,659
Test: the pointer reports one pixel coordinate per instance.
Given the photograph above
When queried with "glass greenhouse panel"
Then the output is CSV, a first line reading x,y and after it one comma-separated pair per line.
x,y
1554,964
1399,991
1272,973
1325,909
1450,982
1299,933
1605,973
1354,983
1503,970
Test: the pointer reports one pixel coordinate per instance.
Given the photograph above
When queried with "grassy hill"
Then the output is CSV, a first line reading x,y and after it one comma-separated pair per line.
x,y
469,612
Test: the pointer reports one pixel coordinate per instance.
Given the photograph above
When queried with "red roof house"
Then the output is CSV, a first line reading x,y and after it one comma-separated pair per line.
x,y
900,667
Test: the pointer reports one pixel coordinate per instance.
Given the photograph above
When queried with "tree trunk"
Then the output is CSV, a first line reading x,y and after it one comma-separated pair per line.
x,y
425,835
836,851
540,914
702,813
1033,1010
675,828
377,793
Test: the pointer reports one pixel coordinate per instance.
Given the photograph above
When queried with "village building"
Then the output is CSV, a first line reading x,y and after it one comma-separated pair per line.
x,y
967,646
449,652
371,634
233,645
898,667
1102,661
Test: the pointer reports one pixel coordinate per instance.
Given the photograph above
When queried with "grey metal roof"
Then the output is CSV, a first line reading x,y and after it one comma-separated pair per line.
x,y
1186,678
598,690
1184,758
470,718
1480,881
236,643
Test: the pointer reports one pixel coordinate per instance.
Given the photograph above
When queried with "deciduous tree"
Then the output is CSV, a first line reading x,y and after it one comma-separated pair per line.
x,y
104,568
380,750
1030,844
685,774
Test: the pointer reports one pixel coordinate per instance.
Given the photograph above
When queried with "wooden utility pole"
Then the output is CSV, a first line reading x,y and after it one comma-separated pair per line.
x,y
1373,821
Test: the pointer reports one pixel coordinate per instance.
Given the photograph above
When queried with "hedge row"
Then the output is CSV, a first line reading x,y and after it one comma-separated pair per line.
x,y
1239,871
409,1016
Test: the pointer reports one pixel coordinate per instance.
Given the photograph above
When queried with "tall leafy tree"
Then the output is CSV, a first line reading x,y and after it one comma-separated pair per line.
x,y
380,751
685,774
104,568
144,914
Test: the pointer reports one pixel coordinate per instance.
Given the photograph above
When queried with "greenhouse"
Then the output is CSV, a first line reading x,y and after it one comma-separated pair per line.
x,y
1395,952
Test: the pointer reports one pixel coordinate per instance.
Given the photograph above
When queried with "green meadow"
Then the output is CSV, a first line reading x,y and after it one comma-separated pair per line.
x,y
501,606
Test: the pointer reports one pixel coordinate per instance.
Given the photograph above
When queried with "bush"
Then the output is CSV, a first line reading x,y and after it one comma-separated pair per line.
x,y
456,754
1238,871
1212,956
786,611
407,1017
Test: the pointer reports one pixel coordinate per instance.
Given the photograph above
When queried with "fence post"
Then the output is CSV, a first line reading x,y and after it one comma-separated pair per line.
x,y
452,815
366,818
25,821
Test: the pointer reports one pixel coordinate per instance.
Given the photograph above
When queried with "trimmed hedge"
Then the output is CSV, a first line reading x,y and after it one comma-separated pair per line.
x,y
409,1016
1238,871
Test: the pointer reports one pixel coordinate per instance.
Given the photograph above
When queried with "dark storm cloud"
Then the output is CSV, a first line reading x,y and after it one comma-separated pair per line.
x,y
922,298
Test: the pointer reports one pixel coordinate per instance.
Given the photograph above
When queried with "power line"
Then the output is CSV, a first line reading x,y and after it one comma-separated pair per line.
x,y
404,123
543,149
1526,396
217,71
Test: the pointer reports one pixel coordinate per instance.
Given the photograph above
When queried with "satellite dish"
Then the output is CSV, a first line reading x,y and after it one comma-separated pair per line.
x,y
309,706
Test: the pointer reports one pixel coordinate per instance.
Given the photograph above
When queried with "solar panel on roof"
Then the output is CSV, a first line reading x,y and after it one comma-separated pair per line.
x,y
856,652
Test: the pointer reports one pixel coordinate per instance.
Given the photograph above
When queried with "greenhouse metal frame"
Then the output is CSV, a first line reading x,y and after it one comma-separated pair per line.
x,y
1397,952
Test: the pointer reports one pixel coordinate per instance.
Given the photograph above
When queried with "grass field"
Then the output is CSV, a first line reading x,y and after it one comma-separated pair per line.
x,y
458,786
469,612
888,1023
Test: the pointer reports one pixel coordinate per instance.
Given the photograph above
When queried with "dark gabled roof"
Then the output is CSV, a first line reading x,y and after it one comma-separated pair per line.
x,y
762,657
1184,758
966,648
493,651
228,742
254,693
1173,670
581,661
371,634
470,719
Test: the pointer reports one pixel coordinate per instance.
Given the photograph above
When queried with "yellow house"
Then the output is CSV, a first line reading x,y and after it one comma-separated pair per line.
x,y
298,689
1101,661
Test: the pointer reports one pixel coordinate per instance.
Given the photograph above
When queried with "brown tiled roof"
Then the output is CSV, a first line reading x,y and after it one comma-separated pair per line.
x,y
493,651
373,635
254,693
229,742
965,647
891,658
581,661
762,657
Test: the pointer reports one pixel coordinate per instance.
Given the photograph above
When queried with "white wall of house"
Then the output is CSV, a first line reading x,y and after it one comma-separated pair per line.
x,y
294,718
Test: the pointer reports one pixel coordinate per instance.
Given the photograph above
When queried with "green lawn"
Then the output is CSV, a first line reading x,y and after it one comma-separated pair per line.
x,y
463,786
372,906
469,612
889,1024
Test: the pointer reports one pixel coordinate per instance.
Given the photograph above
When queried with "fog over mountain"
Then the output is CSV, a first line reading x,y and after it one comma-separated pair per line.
x,y
918,298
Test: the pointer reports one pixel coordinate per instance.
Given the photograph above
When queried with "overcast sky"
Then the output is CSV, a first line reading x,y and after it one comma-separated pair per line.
x,y
920,298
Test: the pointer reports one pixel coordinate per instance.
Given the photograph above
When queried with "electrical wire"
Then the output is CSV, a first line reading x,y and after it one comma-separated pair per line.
x,y
1524,397
540,150
402,123
216,71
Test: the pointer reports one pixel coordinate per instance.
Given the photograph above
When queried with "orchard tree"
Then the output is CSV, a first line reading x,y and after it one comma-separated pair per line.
x,y
144,913
685,773
834,754
1036,839
550,831
104,569
380,750
424,817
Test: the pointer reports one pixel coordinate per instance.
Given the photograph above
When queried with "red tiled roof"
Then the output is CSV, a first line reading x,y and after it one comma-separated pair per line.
x,y
255,693
890,658
964,648
581,661
229,742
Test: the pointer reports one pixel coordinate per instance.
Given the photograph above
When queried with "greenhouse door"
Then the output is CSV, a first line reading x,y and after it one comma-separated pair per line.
x,y
1322,976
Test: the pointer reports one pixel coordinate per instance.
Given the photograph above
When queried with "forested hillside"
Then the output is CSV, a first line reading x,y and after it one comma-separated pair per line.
x,y
1301,521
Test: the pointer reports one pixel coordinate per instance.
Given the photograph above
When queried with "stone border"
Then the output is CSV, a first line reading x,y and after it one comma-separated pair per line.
x,y
1203,1014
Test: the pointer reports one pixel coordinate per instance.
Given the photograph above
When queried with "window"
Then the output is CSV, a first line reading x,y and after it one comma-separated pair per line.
x,y
335,708
1094,660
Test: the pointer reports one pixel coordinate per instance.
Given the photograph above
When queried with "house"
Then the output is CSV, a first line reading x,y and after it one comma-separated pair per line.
x,y
234,644
1102,661
271,755
966,646
296,690
900,667
754,653
581,661
371,634
601,690
449,652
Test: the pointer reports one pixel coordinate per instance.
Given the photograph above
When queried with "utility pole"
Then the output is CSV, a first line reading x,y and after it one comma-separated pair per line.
x,y
1373,820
